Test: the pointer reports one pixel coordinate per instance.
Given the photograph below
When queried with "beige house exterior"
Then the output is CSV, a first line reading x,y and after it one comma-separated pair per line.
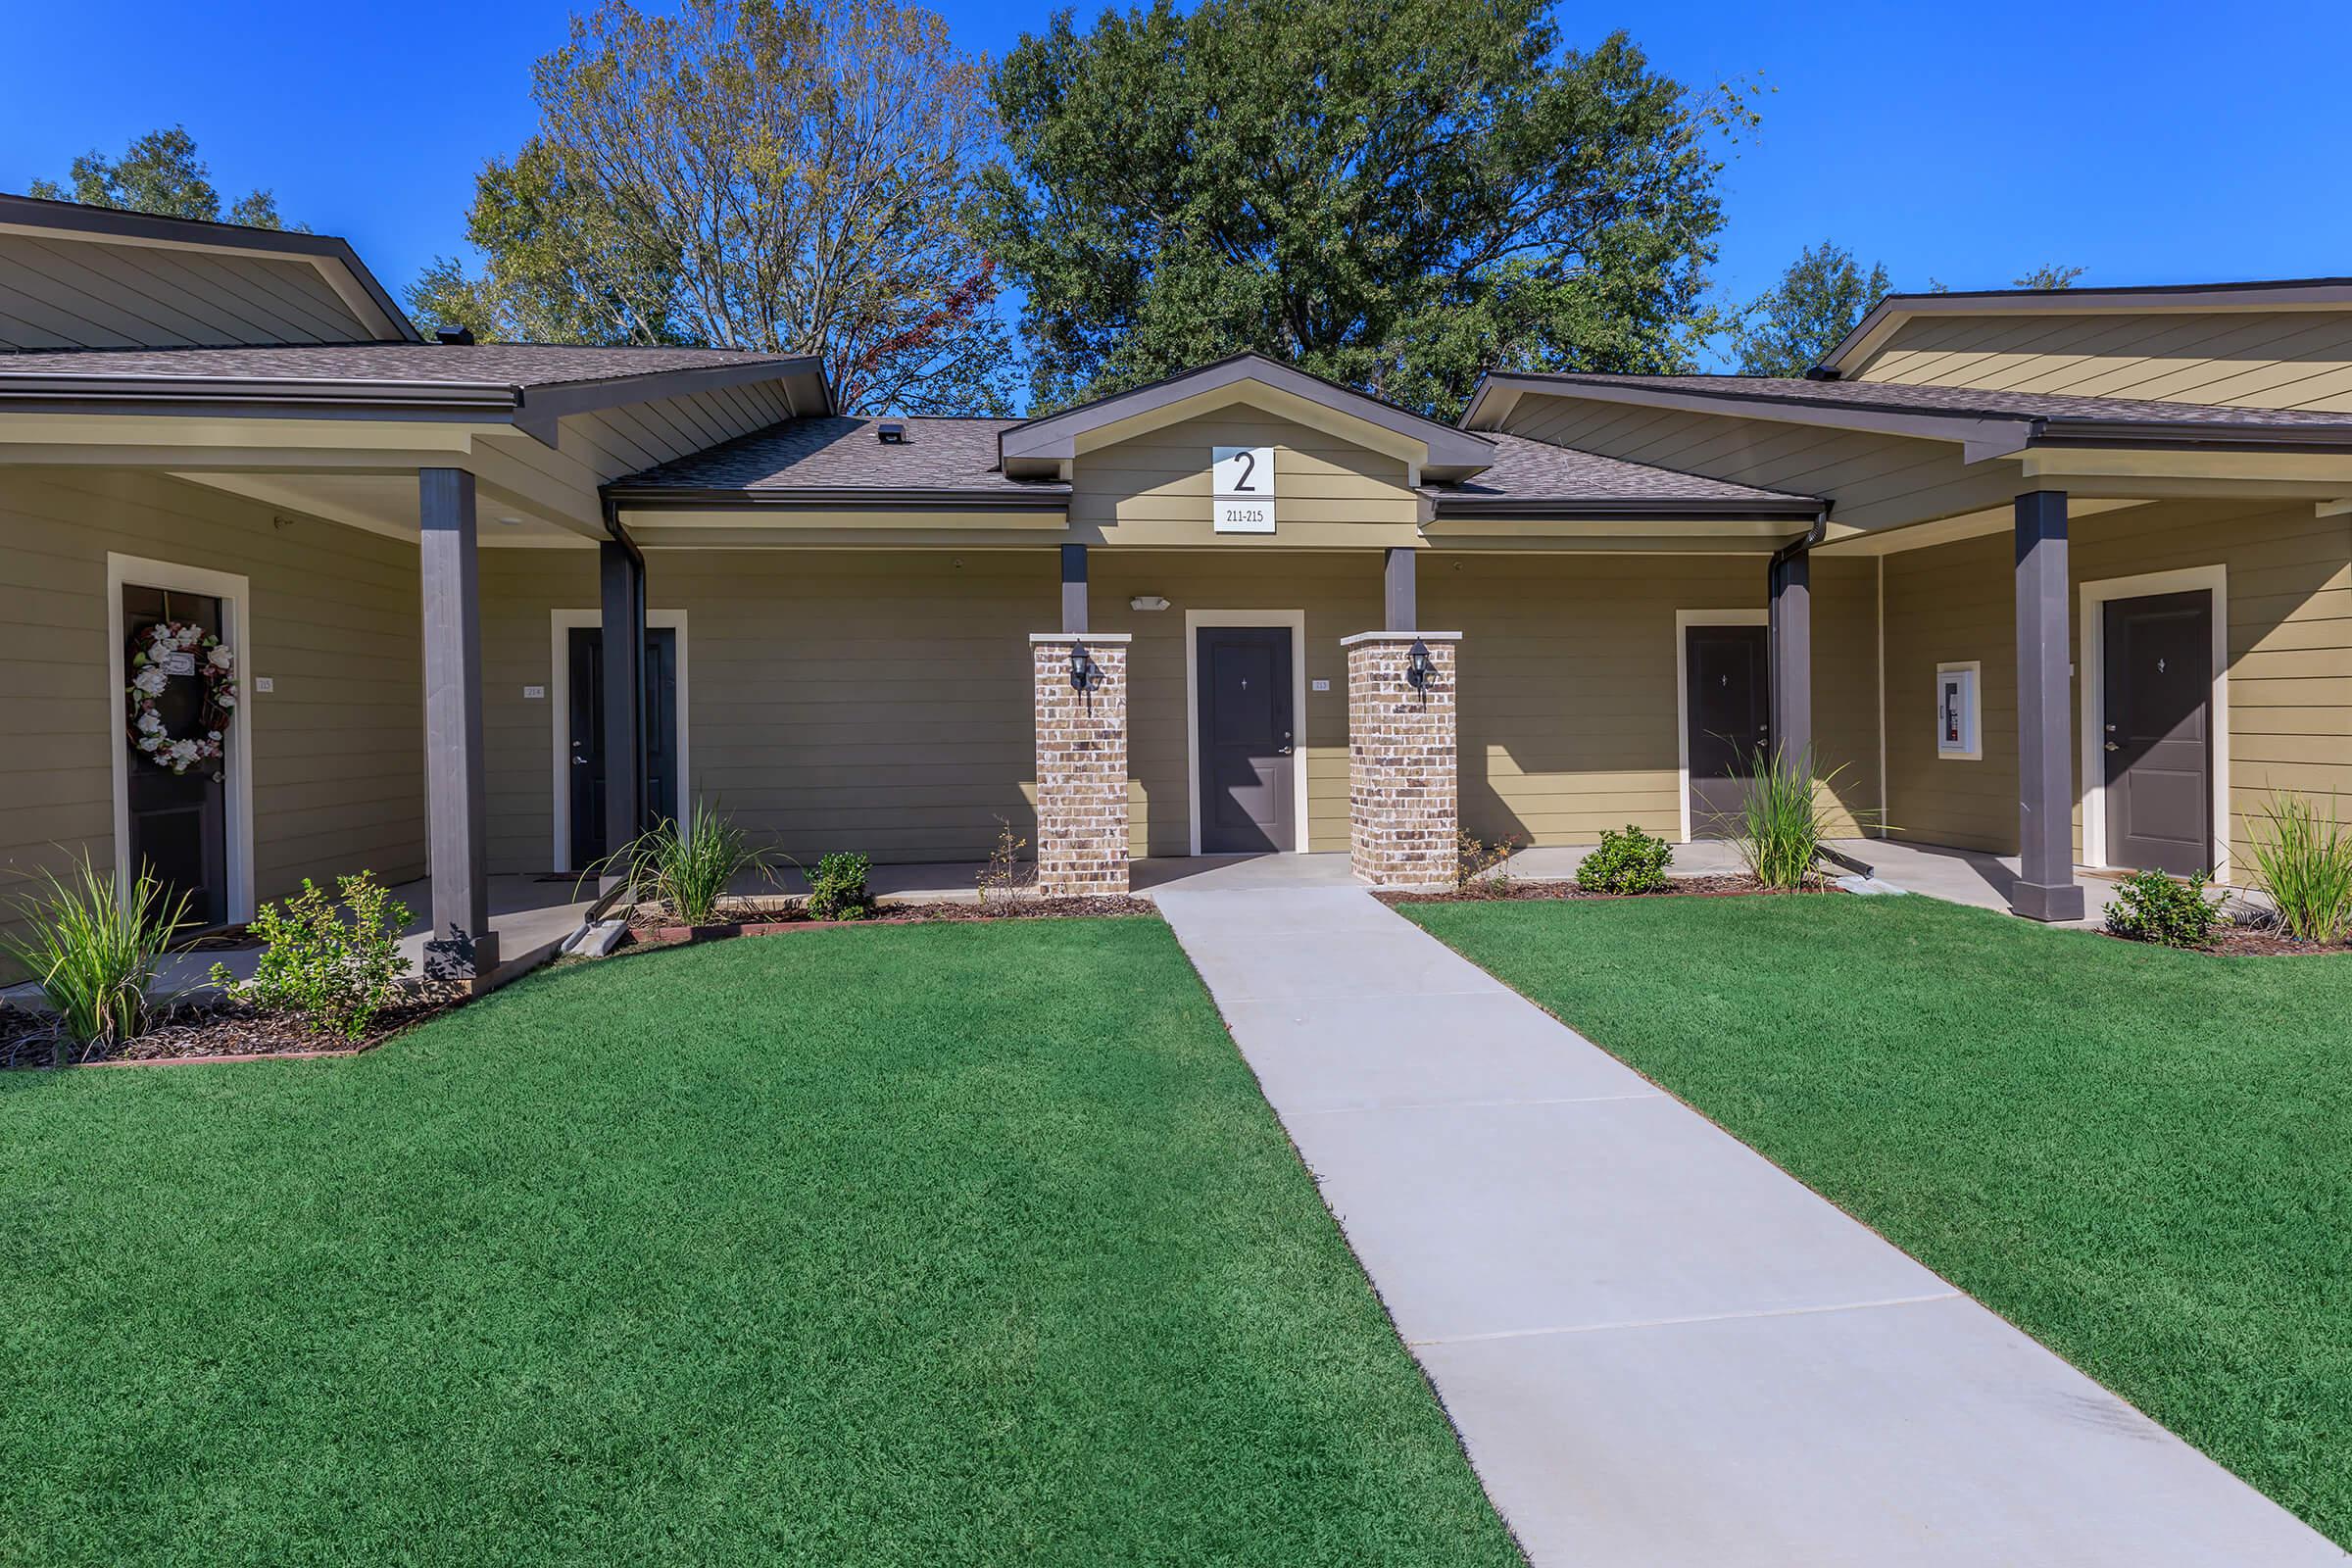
x,y
1935,564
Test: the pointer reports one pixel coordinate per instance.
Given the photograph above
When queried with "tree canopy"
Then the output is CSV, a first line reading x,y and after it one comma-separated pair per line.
x,y
794,177
159,174
1394,196
1796,324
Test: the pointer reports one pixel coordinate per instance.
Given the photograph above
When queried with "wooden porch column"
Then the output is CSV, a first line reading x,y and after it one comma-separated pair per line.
x,y
1791,637
2045,885
461,946
622,572
1073,588
1400,592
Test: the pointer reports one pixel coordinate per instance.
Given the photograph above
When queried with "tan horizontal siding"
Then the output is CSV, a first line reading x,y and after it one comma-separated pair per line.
x,y
2289,617
338,752
875,700
1878,480
60,293
2264,360
1568,701
1155,489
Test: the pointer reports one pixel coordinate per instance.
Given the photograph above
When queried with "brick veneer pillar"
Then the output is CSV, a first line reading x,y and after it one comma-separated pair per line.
x,y
1081,766
1402,807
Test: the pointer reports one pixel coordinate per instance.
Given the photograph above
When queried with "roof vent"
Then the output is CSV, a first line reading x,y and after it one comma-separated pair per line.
x,y
1822,372
463,336
891,432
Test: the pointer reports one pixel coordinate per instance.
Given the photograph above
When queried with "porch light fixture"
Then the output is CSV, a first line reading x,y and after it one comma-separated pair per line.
x,y
1418,665
1146,602
1085,673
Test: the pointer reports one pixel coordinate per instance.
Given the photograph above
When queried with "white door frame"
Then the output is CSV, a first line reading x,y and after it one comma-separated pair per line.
x,y
559,693
1194,621
2092,685
235,594
1684,620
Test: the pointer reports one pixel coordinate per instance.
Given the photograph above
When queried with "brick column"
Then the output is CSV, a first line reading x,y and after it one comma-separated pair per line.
x,y
1081,766
1403,809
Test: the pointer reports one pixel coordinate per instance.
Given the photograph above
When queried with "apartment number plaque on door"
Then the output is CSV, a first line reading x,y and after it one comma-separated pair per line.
x,y
1242,489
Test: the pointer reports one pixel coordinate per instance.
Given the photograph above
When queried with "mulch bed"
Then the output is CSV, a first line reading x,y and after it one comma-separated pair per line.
x,y
216,1028
1740,885
2255,942
650,927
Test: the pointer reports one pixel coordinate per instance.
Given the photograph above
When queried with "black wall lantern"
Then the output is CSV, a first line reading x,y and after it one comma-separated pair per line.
x,y
1418,665
1085,673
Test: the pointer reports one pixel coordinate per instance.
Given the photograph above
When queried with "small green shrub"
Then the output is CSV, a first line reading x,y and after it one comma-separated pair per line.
x,y
688,868
837,888
1631,861
334,963
2150,906
2303,861
1482,869
93,952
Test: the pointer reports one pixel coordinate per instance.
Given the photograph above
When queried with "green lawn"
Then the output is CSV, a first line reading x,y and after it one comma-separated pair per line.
x,y
2143,1157
922,1245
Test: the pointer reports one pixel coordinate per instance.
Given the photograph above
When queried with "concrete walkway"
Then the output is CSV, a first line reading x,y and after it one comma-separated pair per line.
x,y
1659,1348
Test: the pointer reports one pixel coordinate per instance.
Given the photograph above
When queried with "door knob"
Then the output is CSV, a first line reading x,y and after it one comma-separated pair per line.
x,y
2111,745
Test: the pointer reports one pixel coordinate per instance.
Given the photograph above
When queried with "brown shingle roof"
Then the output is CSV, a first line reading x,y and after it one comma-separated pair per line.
x,y
504,364
845,453
1964,402
1530,472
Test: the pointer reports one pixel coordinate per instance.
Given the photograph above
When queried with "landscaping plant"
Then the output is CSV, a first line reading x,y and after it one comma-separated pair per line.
x,y
837,888
1784,817
93,952
1004,877
2150,906
337,964
1631,861
2303,862
688,868
1480,868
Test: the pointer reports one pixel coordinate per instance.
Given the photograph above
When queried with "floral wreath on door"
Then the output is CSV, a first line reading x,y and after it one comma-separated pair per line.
x,y
154,650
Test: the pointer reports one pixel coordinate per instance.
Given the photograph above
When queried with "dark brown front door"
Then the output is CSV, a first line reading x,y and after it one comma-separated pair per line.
x,y
1727,705
1246,740
587,694
178,821
2158,743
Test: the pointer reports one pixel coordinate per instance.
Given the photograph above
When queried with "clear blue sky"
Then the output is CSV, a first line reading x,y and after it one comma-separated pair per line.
x,y
2165,142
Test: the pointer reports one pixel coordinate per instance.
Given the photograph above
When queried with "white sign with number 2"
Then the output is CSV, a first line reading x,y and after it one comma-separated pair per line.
x,y
1243,489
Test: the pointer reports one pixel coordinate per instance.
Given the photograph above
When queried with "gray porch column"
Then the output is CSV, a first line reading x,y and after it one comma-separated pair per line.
x,y
1791,580
1073,588
622,572
1401,591
2045,886
461,946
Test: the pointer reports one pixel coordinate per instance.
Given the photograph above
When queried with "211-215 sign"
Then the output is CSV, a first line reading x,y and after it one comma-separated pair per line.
x,y
1242,489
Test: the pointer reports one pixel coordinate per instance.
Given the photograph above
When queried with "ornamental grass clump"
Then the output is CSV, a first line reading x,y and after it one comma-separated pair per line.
x,y
2303,864
334,963
689,868
93,952
1785,818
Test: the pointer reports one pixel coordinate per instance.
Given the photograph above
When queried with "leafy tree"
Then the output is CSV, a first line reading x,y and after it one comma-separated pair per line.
x,y
1817,300
793,177
159,174
569,263
1390,195
2048,277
